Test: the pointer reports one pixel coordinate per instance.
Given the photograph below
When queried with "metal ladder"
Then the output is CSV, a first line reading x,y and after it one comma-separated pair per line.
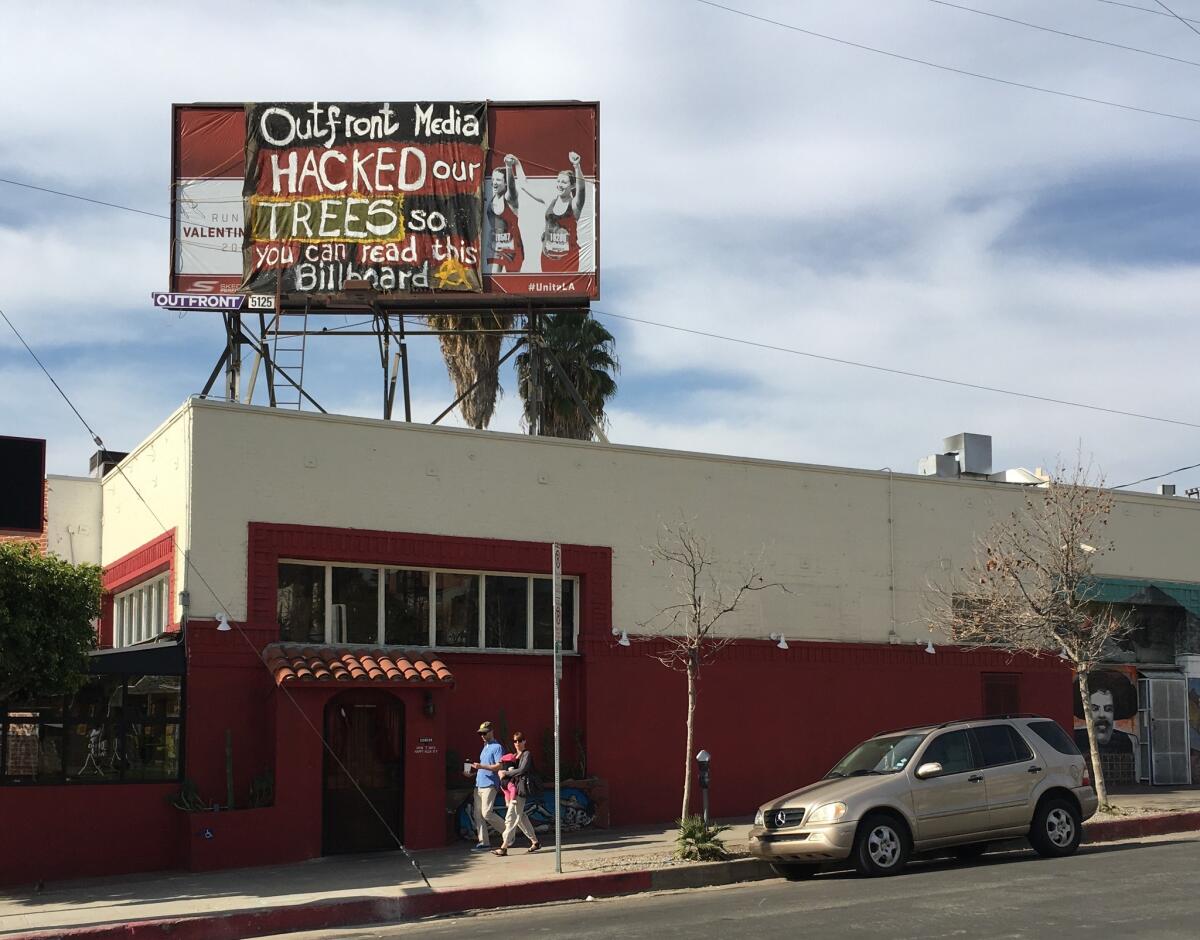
x,y
287,352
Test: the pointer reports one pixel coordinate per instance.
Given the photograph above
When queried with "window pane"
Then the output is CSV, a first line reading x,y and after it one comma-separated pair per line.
x,y
505,625
300,603
1053,734
151,751
356,605
953,751
33,746
119,622
92,724
995,746
543,614
457,609
1021,749
151,697
406,608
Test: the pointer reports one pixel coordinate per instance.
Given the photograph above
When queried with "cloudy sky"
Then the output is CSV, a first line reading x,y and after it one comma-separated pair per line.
x,y
756,182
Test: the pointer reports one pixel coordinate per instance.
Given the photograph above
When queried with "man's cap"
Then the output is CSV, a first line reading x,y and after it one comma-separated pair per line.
x,y
485,728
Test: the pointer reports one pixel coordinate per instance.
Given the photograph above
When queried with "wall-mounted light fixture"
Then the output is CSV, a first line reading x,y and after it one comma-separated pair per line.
x,y
428,707
782,642
624,637
929,647
223,623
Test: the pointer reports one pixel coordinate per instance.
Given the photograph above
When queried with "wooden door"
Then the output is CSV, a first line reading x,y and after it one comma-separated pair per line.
x,y
365,734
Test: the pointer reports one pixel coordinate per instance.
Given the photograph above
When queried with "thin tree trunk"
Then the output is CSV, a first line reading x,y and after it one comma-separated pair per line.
x,y
687,752
1097,770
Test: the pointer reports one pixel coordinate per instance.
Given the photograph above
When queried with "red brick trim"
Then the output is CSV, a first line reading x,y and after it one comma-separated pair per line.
x,y
268,542
131,569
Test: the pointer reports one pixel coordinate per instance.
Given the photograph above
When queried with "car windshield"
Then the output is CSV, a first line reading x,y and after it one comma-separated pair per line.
x,y
878,756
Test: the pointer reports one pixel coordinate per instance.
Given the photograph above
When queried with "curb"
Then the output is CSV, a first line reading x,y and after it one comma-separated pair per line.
x,y
367,911
1109,830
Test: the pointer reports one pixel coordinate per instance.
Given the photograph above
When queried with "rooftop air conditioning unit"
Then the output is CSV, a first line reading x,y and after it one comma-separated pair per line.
x,y
974,452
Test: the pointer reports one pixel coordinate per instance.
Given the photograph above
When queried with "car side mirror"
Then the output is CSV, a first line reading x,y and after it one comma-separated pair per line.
x,y
932,769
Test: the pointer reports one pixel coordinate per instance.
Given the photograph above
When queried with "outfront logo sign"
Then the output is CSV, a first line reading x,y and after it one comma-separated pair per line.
x,y
190,300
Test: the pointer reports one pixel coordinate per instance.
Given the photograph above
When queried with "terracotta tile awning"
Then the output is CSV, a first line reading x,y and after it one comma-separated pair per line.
x,y
294,662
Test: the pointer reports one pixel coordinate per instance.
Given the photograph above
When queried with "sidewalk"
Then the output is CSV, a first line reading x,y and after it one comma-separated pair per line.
x,y
341,890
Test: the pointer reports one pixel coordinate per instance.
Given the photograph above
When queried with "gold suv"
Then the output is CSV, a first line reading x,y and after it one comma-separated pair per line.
x,y
955,786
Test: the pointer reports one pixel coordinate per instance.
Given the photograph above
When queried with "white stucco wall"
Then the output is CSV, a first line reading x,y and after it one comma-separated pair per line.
x,y
147,494
73,510
824,530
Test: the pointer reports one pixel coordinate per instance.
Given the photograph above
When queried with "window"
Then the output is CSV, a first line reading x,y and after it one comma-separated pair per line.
x,y
406,608
1001,694
953,751
417,607
1052,733
141,612
1000,744
116,728
300,603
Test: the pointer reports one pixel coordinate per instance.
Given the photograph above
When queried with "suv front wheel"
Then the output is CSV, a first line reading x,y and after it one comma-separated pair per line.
x,y
1057,828
881,847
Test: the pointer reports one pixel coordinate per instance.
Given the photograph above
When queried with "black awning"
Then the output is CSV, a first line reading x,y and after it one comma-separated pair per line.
x,y
162,656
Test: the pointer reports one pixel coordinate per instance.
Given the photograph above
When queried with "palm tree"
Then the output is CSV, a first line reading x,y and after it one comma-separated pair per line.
x,y
585,349
473,355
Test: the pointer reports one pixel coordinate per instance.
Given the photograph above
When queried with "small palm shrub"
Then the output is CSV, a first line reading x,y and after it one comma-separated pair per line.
x,y
697,842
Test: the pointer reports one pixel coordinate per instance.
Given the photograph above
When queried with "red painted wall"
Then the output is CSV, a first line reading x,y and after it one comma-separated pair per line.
x,y
83,831
775,720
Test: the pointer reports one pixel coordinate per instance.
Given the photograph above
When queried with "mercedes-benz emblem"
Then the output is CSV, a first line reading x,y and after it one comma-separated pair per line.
x,y
781,818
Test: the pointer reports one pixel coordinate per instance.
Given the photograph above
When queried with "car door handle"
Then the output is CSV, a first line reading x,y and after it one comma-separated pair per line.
x,y
975,778
1035,770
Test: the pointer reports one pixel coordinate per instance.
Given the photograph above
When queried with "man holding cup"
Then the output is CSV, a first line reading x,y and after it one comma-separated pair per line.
x,y
487,786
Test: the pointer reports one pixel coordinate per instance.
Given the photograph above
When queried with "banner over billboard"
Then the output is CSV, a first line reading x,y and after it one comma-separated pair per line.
x,y
497,199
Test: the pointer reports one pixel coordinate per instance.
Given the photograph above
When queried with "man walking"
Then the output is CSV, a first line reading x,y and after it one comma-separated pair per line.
x,y
487,785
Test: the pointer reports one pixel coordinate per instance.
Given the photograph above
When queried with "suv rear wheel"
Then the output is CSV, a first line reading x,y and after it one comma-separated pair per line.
x,y
1056,828
881,847
794,871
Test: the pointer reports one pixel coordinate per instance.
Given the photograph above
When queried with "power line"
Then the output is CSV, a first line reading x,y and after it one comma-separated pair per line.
x,y
1134,6
1186,23
1059,32
225,608
1158,476
948,68
904,372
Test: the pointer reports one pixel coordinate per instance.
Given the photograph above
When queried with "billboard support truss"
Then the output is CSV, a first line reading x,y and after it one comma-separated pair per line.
x,y
391,333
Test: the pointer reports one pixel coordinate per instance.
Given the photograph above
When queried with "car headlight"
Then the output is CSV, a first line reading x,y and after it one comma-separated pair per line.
x,y
830,812
760,818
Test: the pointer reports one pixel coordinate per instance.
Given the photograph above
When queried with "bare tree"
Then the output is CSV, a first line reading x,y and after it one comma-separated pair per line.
x,y
1031,587
689,630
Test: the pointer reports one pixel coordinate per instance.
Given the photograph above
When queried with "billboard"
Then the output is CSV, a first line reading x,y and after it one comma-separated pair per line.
x,y
492,199
22,486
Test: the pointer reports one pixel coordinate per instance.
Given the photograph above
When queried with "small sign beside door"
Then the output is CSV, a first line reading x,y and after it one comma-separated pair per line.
x,y
425,746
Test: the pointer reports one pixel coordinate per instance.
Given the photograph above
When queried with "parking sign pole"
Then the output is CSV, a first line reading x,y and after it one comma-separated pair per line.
x,y
557,570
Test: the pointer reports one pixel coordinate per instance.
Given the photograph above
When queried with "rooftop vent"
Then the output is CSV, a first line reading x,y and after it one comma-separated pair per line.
x,y
1166,489
102,461
962,455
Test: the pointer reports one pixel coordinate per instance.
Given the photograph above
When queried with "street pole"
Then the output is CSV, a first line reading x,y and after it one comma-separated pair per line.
x,y
557,570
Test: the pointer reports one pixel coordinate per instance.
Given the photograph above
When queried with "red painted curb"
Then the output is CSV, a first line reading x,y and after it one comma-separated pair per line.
x,y
1109,830
328,914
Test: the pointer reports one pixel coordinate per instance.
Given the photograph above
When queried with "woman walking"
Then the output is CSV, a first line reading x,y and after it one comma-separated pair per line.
x,y
520,783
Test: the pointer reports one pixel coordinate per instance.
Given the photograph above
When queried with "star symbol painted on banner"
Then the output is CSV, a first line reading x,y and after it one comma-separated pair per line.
x,y
452,273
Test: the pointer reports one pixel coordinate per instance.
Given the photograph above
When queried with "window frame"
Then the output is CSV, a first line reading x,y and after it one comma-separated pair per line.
x,y
63,718
431,634
140,611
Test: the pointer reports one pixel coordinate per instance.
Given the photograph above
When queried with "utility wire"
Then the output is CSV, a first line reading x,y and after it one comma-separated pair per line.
x,y
1158,476
1059,32
904,372
1134,6
224,607
949,68
1186,23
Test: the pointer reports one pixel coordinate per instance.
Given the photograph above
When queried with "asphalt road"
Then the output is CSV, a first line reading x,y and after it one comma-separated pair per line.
x,y
1135,889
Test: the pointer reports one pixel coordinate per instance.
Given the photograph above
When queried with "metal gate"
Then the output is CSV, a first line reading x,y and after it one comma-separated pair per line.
x,y
1165,757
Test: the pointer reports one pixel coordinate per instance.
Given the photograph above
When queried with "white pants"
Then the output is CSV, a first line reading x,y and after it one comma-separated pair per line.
x,y
485,813
515,819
